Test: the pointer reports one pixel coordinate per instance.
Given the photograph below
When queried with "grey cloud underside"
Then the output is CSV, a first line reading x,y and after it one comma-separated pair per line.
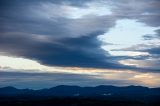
x,y
60,41
78,52
71,42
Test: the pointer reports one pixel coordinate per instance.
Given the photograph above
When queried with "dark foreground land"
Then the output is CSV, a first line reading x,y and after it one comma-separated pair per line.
x,y
81,96
73,102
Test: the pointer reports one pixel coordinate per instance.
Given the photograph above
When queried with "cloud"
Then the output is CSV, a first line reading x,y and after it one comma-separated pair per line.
x,y
50,19
46,80
150,61
64,32
40,30
82,51
149,37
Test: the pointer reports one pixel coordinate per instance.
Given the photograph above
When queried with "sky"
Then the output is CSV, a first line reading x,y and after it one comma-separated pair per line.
x,y
45,43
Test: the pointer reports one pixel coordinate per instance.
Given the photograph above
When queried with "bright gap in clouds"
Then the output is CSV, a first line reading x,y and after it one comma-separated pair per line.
x,y
19,63
129,33
126,33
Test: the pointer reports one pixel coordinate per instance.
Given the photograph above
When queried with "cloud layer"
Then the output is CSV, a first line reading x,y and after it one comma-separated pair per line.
x,y
103,34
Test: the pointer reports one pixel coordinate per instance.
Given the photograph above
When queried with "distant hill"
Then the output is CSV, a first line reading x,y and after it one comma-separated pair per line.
x,y
109,93
64,90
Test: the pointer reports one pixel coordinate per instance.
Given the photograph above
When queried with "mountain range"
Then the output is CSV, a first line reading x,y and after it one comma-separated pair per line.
x,y
102,92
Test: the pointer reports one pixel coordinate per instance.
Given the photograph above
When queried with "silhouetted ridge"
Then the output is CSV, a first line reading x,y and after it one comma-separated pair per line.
x,y
102,90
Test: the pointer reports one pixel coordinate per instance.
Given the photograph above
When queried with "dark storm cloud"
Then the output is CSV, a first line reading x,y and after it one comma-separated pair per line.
x,y
80,52
40,30
54,41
